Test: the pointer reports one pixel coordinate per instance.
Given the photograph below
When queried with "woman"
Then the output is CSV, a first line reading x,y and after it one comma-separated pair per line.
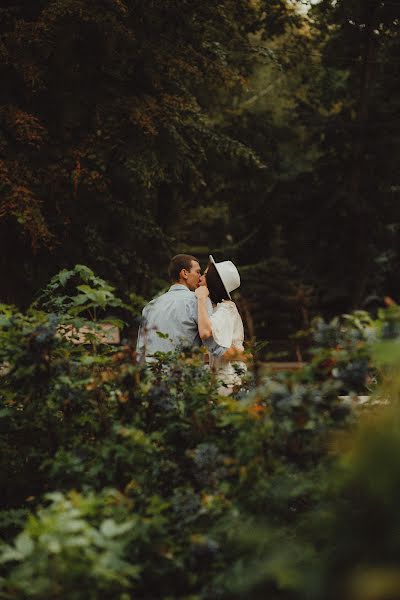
x,y
225,324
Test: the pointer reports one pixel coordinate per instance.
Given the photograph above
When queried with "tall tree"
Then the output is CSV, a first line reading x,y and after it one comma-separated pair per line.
x,y
360,40
323,115
103,132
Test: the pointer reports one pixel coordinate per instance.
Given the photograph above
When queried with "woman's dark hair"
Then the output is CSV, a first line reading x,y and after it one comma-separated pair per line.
x,y
215,285
179,262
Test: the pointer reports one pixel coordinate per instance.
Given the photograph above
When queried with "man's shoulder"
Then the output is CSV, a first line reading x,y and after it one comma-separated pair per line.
x,y
182,297
153,302
179,296
182,300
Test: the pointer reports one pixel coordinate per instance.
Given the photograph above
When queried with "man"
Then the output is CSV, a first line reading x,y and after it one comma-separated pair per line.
x,y
174,314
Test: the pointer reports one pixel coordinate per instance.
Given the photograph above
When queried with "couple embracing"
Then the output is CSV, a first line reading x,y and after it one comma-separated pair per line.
x,y
197,309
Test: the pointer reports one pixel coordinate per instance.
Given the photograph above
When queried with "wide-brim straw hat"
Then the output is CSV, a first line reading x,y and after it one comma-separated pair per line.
x,y
228,274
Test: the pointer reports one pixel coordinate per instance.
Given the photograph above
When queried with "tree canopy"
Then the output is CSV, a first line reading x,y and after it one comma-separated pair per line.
x,y
131,131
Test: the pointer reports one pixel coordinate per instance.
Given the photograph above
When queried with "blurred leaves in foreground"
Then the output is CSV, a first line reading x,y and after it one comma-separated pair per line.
x,y
126,481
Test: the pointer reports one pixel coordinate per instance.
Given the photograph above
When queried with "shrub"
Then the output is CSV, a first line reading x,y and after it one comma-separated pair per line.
x,y
178,492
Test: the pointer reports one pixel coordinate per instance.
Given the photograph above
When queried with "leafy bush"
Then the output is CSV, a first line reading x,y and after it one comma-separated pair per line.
x,y
178,492
85,549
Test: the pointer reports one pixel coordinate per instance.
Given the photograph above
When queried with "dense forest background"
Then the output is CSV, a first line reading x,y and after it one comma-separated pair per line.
x,y
263,131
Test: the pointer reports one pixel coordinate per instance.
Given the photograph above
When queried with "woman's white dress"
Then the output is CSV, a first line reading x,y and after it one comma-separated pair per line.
x,y
227,330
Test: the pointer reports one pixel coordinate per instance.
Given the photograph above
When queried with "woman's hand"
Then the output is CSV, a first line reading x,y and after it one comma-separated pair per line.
x,y
202,292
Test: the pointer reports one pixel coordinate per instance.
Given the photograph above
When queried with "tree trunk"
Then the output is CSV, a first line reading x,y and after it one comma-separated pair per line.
x,y
362,255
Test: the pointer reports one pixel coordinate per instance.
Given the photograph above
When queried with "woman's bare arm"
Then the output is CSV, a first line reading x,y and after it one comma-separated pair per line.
x,y
204,323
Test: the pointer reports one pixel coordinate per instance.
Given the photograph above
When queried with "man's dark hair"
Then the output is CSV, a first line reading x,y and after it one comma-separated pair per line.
x,y
215,285
179,262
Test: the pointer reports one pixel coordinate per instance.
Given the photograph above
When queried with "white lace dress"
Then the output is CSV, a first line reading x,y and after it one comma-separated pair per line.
x,y
227,330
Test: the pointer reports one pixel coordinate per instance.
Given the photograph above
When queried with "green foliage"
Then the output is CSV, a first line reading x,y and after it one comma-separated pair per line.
x,y
342,351
264,118
87,549
272,296
181,493
361,516
315,114
160,464
93,294
104,132
330,531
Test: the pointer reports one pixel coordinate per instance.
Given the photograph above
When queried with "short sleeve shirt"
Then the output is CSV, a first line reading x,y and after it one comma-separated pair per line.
x,y
175,316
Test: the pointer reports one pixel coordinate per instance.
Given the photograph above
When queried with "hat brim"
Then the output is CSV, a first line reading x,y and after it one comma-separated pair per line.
x,y
212,261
